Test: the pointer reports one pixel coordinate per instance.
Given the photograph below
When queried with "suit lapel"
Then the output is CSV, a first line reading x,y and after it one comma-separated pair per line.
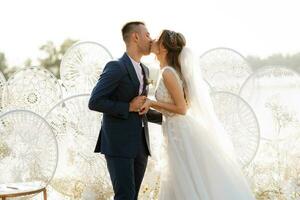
x,y
131,71
145,92
146,77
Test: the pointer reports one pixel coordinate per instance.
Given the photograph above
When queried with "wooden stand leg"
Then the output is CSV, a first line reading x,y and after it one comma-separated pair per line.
x,y
45,194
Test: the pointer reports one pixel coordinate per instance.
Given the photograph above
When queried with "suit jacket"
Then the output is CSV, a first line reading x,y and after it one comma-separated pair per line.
x,y
121,130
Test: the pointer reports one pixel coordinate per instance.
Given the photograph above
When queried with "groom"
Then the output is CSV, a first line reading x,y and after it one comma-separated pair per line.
x,y
120,92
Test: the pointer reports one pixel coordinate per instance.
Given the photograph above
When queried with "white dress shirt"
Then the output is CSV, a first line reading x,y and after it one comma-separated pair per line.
x,y
138,69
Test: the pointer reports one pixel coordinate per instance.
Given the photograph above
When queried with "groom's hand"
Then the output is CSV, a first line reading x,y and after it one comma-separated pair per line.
x,y
136,103
145,108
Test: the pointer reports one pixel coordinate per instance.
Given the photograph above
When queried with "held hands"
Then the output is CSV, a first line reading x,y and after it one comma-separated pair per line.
x,y
136,103
145,107
140,104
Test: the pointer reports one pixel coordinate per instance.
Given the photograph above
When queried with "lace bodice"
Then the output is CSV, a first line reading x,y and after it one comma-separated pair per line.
x,y
162,94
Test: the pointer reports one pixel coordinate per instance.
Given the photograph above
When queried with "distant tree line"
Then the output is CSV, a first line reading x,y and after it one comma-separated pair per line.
x,y
52,55
50,59
291,61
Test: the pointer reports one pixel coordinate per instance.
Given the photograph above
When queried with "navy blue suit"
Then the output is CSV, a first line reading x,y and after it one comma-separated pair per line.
x,y
123,139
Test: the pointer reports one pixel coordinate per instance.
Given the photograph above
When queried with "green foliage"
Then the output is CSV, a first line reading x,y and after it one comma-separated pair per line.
x,y
51,58
291,61
53,55
2,62
7,71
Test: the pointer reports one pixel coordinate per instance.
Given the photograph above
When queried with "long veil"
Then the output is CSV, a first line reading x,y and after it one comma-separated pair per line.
x,y
200,103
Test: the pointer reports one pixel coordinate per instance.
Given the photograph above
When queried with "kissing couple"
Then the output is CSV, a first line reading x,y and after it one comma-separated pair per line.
x,y
198,156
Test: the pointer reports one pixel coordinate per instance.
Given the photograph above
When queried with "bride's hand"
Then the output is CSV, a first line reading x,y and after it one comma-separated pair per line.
x,y
145,107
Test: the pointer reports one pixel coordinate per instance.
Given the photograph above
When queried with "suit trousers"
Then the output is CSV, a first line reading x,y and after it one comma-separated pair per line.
x,y
127,173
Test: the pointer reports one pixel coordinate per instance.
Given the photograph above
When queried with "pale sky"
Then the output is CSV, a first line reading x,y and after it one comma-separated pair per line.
x,y
256,27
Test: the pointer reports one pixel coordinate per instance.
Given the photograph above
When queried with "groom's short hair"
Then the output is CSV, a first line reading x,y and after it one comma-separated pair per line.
x,y
129,28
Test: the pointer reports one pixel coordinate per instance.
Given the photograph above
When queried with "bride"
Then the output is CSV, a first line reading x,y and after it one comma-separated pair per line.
x,y
198,159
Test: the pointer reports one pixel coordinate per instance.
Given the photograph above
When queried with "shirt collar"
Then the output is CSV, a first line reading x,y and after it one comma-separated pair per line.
x,y
133,61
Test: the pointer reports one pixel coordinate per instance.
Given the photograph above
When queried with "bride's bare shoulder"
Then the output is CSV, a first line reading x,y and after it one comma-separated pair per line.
x,y
170,73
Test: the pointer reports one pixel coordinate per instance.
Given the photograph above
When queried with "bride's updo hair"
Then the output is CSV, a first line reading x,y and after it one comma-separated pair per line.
x,y
174,43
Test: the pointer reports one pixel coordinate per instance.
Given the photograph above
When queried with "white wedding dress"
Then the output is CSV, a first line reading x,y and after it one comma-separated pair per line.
x,y
194,166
